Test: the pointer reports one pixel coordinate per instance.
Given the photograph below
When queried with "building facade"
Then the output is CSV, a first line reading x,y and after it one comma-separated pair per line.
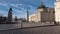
x,y
57,11
2,19
43,14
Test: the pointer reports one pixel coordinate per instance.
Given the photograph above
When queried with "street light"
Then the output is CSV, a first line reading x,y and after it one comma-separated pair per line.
x,y
27,14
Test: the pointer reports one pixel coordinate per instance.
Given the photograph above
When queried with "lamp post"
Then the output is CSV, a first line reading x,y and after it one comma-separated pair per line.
x,y
21,25
27,14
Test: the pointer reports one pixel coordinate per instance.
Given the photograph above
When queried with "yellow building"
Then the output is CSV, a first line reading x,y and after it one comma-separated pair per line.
x,y
43,14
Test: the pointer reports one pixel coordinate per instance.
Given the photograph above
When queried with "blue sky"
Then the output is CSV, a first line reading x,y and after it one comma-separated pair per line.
x,y
21,6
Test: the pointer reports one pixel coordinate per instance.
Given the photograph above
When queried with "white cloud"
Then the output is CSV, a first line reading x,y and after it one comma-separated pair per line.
x,y
3,13
19,6
4,4
20,15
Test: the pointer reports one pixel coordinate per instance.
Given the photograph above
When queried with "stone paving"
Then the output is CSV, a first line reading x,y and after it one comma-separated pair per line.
x,y
37,30
14,26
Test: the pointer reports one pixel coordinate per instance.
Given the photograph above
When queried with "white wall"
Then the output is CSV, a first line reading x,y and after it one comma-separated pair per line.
x,y
57,11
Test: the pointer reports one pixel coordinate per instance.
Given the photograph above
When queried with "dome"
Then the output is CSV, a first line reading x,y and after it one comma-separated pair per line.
x,y
41,5
10,9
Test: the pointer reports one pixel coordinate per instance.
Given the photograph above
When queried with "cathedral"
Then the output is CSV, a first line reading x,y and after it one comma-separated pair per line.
x,y
43,14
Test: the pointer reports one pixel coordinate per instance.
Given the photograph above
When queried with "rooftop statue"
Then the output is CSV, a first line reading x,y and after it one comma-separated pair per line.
x,y
41,5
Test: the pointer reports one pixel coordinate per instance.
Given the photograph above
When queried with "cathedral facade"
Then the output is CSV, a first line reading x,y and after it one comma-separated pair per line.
x,y
43,14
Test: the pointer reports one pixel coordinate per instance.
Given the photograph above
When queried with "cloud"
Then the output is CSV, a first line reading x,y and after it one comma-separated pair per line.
x,y
19,9
3,4
3,13
20,15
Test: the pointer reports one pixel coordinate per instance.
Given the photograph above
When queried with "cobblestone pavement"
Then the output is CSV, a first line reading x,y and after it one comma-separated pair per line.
x,y
14,26
37,30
